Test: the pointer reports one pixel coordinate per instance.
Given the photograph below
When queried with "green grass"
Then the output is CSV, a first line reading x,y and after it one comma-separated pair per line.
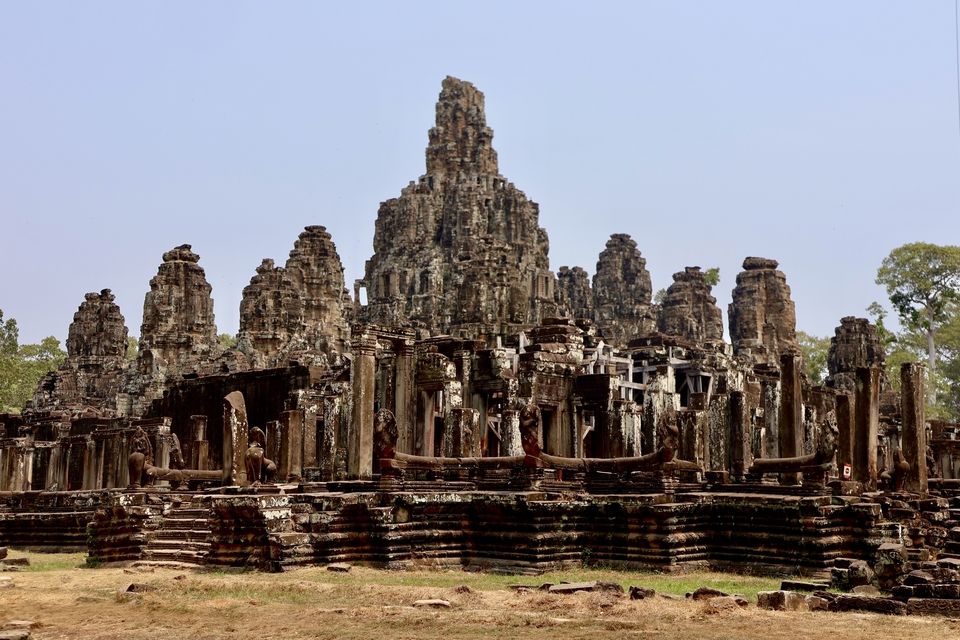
x,y
675,584
300,586
50,561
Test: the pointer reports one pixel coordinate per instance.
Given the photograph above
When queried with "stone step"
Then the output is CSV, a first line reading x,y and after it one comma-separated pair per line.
x,y
185,523
188,513
187,545
178,534
179,555
168,564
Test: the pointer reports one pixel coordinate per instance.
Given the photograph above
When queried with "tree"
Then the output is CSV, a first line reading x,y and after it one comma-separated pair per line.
x,y
815,351
712,276
226,341
922,280
133,345
9,334
22,366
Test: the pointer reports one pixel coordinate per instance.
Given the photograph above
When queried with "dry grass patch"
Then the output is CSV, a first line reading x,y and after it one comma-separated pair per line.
x,y
313,603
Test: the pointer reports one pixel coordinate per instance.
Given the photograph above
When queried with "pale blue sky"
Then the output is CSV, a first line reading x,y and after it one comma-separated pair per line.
x,y
822,134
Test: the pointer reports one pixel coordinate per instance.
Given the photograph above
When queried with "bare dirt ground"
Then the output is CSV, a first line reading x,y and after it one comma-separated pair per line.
x,y
70,602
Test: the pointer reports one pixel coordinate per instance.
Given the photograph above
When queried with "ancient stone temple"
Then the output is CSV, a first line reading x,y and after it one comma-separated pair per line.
x,y
96,354
689,310
461,250
479,411
763,319
177,336
622,291
271,315
574,293
297,309
315,270
178,325
855,344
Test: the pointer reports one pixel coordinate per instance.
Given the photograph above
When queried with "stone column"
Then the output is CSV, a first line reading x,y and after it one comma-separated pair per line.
x,y
510,430
866,421
770,401
790,437
235,431
405,390
312,409
290,464
362,377
740,451
272,431
914,437
199,446
461,437
717,428
846,429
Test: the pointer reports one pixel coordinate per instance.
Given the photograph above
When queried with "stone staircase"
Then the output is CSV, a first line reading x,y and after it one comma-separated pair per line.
x,y
183,538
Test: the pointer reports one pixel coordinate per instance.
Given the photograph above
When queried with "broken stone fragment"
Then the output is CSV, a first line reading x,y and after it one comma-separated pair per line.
x,y
640,593
865,590
799,585
435,603
573,587
17,562
782,601
872,604
705,593
720,604
339,567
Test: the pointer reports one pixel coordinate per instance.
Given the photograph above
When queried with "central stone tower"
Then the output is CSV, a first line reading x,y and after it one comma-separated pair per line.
x,y
461,250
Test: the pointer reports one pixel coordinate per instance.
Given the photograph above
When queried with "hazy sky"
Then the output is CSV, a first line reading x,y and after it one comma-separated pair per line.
x,y
822,134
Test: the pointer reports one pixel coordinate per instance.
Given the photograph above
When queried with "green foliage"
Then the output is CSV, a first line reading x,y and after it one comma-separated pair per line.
x,y
879,314
133,345
712,276
922,280
815,351
227,341
22,366
659,296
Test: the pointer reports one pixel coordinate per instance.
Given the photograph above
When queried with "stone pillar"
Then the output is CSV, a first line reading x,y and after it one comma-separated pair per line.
x,y
327,438
89,465
770,401
312,404
914,437
290,464
272,431
740,451
790,437
510,429
717,428
691,447
405,403
199,446
235,431
461,434
845,426
866,421
362,377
